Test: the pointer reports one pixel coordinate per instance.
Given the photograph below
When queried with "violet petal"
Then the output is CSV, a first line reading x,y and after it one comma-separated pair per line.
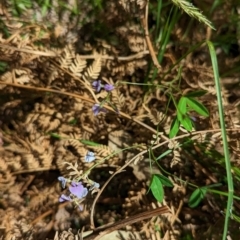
x,y
108,87
78,190
97,85
64,198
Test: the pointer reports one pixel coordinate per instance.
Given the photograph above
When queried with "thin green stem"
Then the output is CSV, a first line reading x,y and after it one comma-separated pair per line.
x,y
224,137
159,8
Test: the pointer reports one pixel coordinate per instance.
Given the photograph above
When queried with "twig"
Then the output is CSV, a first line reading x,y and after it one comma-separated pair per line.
x,y
101,231
128,58
26,185
79,97
40,53
177,213
144,21
173,220
93,56
49,212
112,110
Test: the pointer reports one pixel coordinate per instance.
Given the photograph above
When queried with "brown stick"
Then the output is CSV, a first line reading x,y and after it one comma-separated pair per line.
x,y
99,232
144,21
86,99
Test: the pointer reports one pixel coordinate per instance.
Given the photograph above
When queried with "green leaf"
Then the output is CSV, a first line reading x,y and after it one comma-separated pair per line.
x,y
195,94
198,107
196,197
174,128
55,135
181,108
157,188
164,154
89,143
187,123
164,180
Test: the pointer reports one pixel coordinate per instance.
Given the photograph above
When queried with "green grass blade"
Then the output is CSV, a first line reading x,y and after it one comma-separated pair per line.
x,y
167,31
159,8
224,137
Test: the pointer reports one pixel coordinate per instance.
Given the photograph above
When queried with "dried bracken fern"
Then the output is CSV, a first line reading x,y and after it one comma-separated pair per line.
x,y
133,6
48,131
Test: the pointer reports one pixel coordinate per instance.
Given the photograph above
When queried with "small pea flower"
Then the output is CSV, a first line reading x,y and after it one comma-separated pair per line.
x,y
78,190
97,108
108,87
89,157
97,85
63,181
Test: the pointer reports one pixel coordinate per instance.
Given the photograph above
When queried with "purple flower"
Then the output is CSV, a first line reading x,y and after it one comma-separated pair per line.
x,y
97,108
63,181
97,85
64,198
108,87
78,190
89,157
95,185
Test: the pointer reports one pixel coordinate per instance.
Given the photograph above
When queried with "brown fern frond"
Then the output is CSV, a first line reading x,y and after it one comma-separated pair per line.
x,y
66,58
102,150
93,70
77,66
39,198
133,6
